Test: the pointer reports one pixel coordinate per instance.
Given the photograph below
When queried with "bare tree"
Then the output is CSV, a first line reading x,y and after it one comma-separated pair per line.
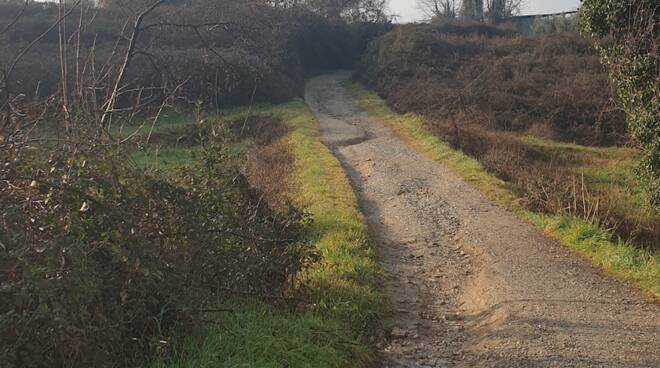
x,y
499,9
351,10
7,70
368,11
130,53
438,8
472,9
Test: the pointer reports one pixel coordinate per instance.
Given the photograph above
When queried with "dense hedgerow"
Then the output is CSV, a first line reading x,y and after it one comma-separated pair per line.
x,y
550,85
256,52
100,261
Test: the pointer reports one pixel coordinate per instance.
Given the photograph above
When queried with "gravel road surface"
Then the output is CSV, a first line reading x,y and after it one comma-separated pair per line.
x,y
468,284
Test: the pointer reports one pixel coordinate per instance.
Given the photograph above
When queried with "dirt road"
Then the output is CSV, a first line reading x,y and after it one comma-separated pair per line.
x,y
468,284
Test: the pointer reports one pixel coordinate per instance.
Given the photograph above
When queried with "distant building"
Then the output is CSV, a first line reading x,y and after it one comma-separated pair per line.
x,y
525,23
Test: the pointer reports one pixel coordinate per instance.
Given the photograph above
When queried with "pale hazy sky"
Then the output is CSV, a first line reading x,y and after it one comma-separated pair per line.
x,y
408,12
407,9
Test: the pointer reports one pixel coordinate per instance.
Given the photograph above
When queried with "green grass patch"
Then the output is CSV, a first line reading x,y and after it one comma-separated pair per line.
x,y
344,283
589,151
609,173
251,334
611,167
642,267
344,305
604,167
168,119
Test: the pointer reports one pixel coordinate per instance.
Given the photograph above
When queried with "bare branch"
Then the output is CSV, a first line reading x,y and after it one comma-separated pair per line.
x,y
127,59
16,18
6,74
438,8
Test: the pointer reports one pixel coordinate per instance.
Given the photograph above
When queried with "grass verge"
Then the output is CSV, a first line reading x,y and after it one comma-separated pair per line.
x,y
623,260
343,305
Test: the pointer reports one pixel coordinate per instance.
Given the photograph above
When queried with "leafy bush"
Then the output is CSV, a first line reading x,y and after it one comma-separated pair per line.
x,y
99,261
634,61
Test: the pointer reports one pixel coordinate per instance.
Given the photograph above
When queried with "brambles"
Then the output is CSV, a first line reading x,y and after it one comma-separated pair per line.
x,y
100,261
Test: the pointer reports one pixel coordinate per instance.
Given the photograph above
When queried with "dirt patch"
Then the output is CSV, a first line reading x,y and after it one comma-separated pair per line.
x,y
268,169
269,162
468,284
263,129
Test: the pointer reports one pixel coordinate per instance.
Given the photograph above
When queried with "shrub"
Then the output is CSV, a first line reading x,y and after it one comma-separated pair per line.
x,y
99,261
634,61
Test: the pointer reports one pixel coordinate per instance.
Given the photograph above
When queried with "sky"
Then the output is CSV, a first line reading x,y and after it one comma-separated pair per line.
x,y
408,12
407,9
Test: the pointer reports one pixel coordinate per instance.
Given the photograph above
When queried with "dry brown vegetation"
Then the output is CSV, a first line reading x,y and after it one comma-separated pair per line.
x,y
220,52
268,169
527,108
269,164
553,86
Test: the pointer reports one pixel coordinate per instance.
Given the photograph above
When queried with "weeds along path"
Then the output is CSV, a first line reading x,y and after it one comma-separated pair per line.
x,y
468,284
